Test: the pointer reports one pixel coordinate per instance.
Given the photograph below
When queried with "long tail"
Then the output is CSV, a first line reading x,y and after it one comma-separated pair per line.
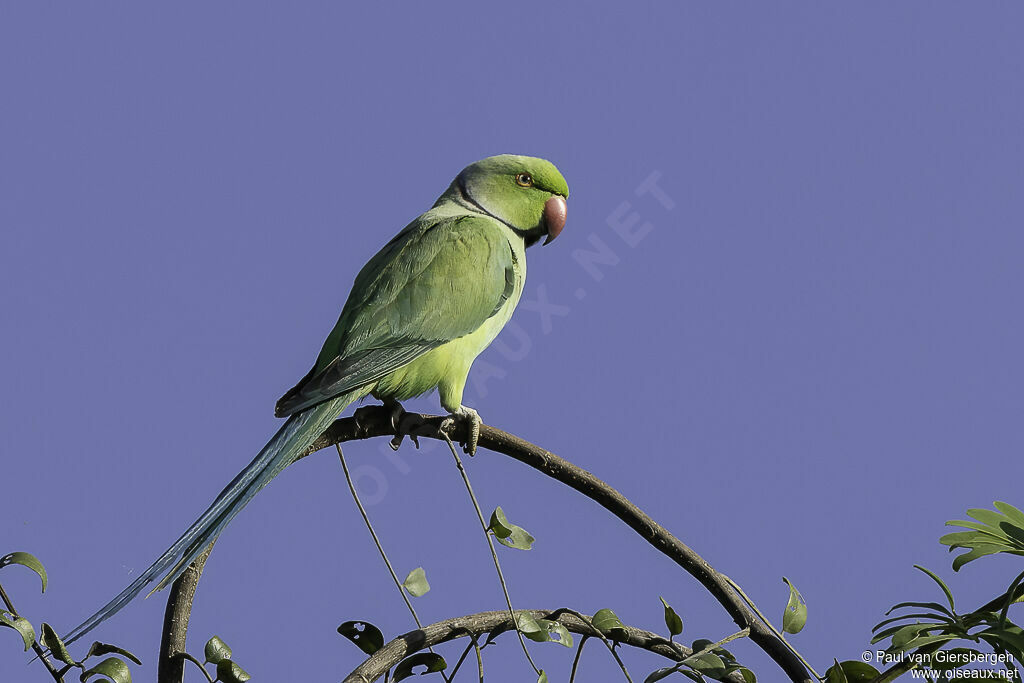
x,y
297,434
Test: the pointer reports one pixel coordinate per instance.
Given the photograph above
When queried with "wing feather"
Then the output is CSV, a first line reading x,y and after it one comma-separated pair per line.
x,y
435,282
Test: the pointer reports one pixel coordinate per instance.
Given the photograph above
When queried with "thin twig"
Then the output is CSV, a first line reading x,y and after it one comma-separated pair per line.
x,y
714,646
1009,601
462,658
378,423
736,587
618,660
376,540
185,655
380,548
604,639
576,659
36,647
711,648
494,554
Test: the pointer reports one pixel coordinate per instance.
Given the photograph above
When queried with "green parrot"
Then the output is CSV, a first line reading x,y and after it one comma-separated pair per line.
x,y
420,311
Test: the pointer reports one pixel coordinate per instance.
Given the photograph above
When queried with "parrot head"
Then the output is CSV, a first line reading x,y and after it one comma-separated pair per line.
x,y
525,193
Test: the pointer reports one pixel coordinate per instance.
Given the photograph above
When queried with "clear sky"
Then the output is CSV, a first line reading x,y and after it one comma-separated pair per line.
x,y
804,357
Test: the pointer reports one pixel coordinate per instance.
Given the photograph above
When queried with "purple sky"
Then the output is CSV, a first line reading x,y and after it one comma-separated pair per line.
x,y
806,362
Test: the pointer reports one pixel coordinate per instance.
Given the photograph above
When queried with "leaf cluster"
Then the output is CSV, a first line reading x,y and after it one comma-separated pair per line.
x,y
991,531
218,654
925,627
111,668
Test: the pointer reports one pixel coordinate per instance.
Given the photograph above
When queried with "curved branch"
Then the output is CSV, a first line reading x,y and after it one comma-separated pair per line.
x,y
496,622
171,667
378,423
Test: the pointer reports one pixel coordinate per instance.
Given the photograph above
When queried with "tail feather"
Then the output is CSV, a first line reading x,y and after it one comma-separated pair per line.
x,y
297,434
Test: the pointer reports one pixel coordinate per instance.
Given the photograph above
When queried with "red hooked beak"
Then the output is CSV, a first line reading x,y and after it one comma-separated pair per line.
x,y
554,217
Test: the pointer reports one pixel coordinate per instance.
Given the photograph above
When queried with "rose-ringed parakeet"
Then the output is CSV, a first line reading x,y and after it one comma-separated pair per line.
x,y
418,314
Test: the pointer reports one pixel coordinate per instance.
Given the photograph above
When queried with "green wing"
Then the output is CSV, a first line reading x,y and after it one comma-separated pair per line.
x,y
434,282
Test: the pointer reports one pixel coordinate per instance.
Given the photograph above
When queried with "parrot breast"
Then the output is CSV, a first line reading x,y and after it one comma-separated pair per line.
x,y
447,366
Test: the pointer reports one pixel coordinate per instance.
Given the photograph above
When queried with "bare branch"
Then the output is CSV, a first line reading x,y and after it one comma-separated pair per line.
x,y
179,608
476,625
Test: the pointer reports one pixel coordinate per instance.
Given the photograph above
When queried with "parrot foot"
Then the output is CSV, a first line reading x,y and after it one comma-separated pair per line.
x,y
413,425
472,420
396,410
364,416
410,425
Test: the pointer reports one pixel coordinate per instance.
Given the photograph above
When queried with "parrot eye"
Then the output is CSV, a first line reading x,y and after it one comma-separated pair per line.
x,y
524,180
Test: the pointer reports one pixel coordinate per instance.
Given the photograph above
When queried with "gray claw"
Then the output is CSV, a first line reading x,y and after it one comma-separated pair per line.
x,y
473,422
409,424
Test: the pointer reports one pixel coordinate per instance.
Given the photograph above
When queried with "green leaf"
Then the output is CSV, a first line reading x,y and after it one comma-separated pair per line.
x,y
508,534
531,628
608,623
432,662
708,664
925,605
913,615
909,632
659,674
672,620
1015,589
853,671
942,585
979,550
965,539
994,535
19,624
986,534
1004,637
923,640
25,560
98,649
995,531
999,524
700,644
111,668
500,524
1013,514
835,673
229,672
556,628
216,651
748,675
416,582
795,616
890,631
365,635
520,539
52,642
543,678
